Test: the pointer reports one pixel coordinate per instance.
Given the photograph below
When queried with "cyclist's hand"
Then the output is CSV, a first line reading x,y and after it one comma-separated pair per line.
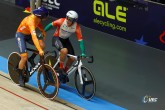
x,y
41,36
41,52
83,55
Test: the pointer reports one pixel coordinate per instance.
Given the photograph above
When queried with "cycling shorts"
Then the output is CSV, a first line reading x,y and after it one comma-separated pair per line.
x,y
60,43
21,40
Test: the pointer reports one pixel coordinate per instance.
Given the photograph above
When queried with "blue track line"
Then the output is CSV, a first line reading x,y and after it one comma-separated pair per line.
x,y
69,94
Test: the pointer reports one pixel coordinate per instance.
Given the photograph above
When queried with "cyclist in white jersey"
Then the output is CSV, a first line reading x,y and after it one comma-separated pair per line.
x,y
65,27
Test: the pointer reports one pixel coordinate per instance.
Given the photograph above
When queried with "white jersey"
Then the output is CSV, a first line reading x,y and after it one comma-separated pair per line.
x,y
64,31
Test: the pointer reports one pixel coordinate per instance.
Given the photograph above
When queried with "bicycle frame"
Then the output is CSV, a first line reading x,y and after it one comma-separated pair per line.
x,y
31,72
83,78
71,70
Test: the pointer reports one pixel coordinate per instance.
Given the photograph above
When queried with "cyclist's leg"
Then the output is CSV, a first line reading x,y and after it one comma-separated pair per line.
x,y
70,59
30,41
24,56
58,43
63,53
32,57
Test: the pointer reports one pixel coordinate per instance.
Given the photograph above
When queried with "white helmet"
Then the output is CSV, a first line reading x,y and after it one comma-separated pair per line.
x,y
72,16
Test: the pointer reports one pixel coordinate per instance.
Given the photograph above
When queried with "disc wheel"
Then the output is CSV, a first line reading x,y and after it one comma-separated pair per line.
x,y
13,61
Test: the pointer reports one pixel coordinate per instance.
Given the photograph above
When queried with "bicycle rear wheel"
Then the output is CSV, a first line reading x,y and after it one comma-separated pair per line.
x,y
88,88
48,83
13,61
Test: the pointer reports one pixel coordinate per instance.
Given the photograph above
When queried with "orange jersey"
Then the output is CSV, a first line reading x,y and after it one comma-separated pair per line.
x,y
65,31
28,26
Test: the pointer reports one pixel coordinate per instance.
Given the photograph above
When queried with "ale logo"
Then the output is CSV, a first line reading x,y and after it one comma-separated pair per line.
x,y
101,8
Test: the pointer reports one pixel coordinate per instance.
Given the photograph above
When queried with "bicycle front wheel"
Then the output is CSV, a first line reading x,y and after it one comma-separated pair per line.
x,y
88,88
47,80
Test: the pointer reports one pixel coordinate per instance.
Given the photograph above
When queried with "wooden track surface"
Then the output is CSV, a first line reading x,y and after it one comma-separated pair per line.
x,y
14,97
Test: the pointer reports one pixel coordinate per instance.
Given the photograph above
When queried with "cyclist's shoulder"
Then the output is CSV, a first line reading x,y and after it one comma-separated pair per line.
x,y
59,20
62,19
28,19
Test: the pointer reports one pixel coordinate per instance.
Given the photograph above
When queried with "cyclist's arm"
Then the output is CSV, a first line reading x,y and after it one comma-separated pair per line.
x,y
80,39
55,23
34,38
48,27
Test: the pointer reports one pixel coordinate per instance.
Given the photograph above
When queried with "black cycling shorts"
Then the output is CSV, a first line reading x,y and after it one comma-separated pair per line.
x,y
60,43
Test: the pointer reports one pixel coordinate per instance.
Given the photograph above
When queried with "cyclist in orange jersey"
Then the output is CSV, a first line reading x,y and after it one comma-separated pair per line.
x,y
66,27
26,32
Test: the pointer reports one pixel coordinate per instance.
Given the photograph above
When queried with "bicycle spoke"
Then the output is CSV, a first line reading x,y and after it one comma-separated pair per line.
x,y
45,86
45,76
51,84
45,79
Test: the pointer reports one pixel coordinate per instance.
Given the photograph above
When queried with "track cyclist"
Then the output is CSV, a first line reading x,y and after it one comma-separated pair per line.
x,y
65,27
26,32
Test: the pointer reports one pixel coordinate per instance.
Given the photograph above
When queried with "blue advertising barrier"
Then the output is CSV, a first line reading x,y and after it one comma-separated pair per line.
x,y
122,19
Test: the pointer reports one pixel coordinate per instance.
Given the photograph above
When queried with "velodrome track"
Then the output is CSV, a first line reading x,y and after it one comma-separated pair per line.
x,y
14,97
125,72
67,98
29,98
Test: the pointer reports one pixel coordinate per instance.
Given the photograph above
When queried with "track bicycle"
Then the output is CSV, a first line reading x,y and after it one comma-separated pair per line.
x,y
46,76
84,79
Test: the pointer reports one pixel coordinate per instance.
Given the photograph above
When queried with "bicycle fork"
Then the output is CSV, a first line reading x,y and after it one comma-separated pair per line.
x,y
79,71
